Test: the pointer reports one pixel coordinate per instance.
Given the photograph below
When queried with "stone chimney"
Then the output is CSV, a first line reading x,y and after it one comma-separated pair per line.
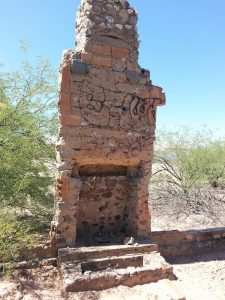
x,y
107,115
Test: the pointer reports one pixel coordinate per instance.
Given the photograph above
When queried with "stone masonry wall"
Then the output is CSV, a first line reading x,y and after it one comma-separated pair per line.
x,y
107,113
106,199
174,243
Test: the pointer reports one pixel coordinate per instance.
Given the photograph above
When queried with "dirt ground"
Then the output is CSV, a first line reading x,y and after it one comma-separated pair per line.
x,y
37,284
189,223
175,214
200,277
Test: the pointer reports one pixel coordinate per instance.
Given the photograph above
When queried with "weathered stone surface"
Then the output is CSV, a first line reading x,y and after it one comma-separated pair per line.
x,y
175,243
79,67
129,241
132,76
97,268
133,20
120,52
102,61
107,112
93,252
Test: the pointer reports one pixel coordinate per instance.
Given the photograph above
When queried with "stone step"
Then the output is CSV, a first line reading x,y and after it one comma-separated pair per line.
x,y
85,253
154,268
164,289
114,262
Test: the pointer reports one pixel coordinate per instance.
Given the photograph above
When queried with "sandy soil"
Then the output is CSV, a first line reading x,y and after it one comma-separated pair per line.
x,y
37,284
200,277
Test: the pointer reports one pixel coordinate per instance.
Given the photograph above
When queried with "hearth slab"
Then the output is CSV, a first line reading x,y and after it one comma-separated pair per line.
x,y
84,253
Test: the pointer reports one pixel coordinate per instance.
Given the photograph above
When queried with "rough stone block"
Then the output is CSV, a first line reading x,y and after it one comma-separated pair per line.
x,y
132,76
79,67
124,268
118,69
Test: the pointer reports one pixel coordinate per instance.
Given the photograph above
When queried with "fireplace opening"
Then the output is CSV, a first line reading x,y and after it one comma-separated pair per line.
x,y
104,204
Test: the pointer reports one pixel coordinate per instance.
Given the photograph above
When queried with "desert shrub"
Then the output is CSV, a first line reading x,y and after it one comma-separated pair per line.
x,y
189,166
27,133
27,130
15,234
190,158
18,235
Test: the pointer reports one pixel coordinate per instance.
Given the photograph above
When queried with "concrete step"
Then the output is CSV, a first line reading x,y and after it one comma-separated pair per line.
x,y
85,253
76,279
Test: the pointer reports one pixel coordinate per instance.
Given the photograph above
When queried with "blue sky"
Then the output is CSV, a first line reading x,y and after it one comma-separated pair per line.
x,y
182,43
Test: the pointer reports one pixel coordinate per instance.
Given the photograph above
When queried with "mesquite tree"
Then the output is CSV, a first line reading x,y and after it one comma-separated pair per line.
x,y
27,130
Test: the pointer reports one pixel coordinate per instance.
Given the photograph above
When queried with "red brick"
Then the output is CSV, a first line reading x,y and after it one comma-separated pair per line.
x,y
87,57
64,103
102,61
64,192
70,120
145,94
156,92
103,50
65,77
120,52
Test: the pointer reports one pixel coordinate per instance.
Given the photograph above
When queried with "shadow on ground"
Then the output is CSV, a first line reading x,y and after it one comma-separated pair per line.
x,y
192,258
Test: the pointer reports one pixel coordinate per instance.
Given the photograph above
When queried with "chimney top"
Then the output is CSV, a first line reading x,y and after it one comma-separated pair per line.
x,y
107,22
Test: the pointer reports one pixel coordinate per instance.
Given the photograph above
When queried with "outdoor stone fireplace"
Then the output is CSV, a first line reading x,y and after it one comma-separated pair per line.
x,y
107,113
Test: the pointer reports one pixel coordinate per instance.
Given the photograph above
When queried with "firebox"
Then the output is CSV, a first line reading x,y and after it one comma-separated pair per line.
x,y
106,210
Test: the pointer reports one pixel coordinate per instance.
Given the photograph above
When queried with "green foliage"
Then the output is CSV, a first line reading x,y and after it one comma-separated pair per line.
x,y
189,165
27,130
190,159
27,133
15,234
18,235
